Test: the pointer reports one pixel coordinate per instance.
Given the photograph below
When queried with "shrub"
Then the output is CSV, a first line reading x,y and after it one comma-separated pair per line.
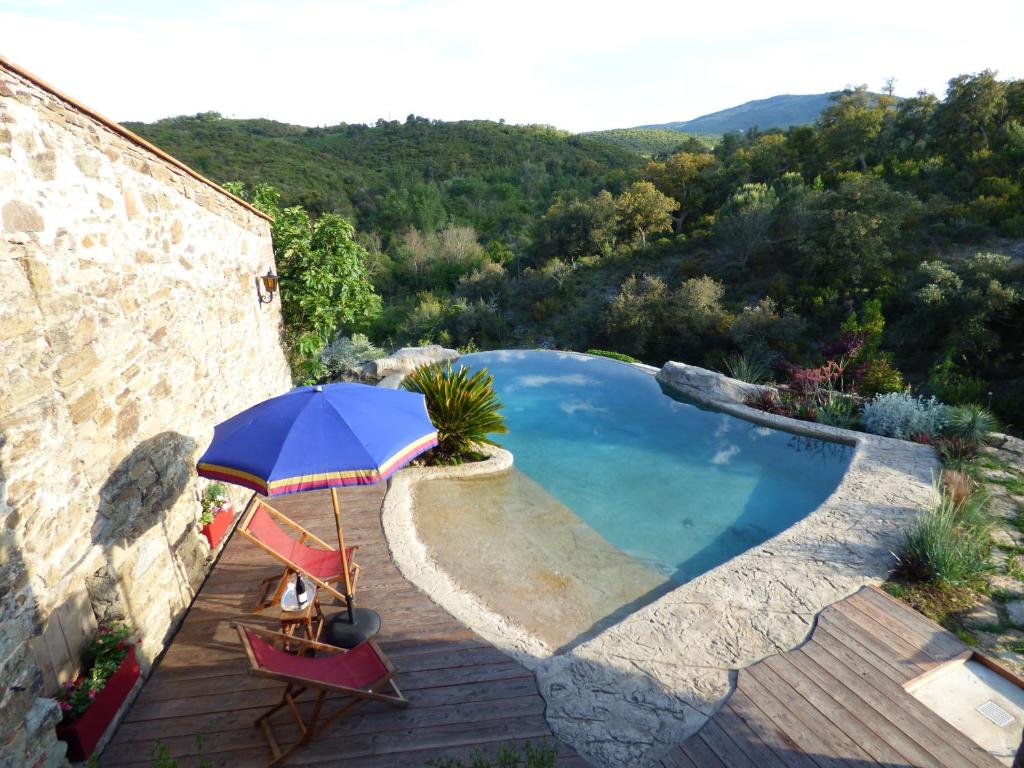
x,y
838,411
747,368
215,496
956,451
878,377
957,486
613,355
345,355
766,400
952,386
101,657
900,415
970,422
949,545
463,407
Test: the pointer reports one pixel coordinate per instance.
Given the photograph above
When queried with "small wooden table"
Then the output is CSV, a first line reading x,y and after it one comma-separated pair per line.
x,y
309,619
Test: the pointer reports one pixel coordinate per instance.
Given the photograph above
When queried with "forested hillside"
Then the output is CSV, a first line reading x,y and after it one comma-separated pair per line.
x,y
889,233
394,175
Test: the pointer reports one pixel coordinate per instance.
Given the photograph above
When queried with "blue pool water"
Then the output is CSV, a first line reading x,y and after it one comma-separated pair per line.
x,y
678,487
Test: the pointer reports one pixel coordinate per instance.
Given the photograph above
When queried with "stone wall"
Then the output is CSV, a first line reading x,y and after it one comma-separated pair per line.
x,y
129,326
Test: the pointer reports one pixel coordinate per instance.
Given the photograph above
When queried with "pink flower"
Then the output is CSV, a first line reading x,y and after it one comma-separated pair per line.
x,y
65,707
69,685
92,695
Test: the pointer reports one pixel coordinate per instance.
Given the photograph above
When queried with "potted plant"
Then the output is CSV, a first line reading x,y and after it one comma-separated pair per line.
x,y
217,513
92,699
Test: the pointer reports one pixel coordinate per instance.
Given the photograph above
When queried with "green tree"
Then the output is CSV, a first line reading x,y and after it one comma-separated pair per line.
x,y
683,177
857,229
967,119
643,211
574,228
851,124
324,285
962,305
743,223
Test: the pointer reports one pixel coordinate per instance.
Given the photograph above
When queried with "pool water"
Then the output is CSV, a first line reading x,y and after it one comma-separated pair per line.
x,y
674,486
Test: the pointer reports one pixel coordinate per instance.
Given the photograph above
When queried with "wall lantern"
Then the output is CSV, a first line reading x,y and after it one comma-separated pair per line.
x,y
269,282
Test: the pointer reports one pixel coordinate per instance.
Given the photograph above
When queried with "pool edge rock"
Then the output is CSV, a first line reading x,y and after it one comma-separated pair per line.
x,y
627,696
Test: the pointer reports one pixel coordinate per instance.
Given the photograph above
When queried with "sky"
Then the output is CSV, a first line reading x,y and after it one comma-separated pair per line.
x,y
575,65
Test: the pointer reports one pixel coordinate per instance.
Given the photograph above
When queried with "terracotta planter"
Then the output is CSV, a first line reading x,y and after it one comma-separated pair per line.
x,y
215,531
84,732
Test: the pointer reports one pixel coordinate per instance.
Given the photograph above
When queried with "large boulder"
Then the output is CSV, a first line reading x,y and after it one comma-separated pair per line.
x,y
406,360
703,385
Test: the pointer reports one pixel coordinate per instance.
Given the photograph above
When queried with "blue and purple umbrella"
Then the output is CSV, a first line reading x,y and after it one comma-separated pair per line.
x,y
320,437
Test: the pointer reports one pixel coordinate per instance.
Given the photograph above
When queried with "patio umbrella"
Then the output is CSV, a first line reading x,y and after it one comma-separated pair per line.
x,y
318,437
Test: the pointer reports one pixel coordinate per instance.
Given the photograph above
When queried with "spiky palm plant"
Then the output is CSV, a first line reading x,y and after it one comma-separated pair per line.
x,y
970,422
464,407
748,368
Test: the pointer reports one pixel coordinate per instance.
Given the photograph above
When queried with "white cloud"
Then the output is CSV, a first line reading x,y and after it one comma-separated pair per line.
x,y
572,407
576,65
540,380
725,455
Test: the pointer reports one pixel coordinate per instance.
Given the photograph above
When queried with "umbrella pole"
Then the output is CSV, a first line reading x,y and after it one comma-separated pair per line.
x,y
344,556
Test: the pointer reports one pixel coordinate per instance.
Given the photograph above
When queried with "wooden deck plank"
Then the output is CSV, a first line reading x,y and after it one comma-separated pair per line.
x,y
842,747
764,744
929,638
846,720
947,744
897,647
819,742
876,716
839,699
845,630
699,753
465,695
725,747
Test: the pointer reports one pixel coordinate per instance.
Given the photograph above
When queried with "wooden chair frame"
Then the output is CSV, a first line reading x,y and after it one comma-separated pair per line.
x,y
266,600
296,686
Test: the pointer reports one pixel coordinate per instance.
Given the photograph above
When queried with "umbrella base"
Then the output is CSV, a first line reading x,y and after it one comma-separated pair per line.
x,y
342,633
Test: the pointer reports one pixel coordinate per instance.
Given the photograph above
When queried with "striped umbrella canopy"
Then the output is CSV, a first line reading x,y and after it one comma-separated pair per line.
x,y
320,437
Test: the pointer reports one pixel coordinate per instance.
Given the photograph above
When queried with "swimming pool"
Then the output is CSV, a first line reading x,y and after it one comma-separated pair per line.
x,y
676,487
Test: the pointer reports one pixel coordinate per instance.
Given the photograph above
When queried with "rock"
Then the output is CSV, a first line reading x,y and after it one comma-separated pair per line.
x,y
996,474
1006,537
1015,612
19,217
407,360
1006,584
704,385
984,614
1004,506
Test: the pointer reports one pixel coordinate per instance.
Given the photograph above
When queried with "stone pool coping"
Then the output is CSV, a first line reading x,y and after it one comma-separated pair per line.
x,y
629,694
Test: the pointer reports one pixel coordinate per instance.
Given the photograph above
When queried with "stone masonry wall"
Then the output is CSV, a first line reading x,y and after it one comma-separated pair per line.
x,y
129,326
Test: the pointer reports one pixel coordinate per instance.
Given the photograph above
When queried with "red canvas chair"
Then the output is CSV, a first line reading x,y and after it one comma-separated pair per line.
x,y
358,675
324,565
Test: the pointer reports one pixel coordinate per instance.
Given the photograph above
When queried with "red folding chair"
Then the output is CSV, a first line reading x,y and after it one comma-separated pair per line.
x,y
262,525
358,674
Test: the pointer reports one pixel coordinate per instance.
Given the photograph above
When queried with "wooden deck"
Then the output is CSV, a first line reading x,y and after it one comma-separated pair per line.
x,y
838,701
464,694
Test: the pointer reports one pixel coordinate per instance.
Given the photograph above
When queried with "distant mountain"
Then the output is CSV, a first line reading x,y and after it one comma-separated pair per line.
x,y
775,112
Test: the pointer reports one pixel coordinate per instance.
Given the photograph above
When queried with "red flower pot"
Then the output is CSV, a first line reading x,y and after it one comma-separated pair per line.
x,y
215,531
84,732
